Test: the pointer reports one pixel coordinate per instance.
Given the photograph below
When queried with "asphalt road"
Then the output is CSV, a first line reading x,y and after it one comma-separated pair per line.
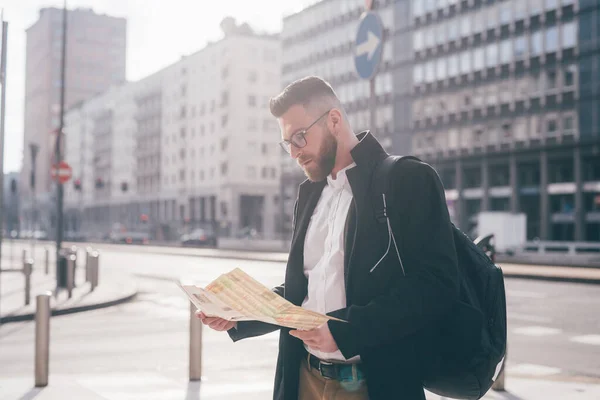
x,y
554,328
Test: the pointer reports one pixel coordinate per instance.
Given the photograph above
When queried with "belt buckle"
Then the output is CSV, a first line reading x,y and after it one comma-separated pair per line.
x,y
327,364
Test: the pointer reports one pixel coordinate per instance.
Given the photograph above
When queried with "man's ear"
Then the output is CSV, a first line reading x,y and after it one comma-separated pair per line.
x,y
335,121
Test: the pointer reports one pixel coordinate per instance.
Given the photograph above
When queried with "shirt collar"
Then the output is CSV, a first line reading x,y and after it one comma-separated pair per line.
x,y
341,179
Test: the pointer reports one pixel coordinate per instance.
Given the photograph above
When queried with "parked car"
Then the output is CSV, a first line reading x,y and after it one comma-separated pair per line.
x,y
205,236
130,238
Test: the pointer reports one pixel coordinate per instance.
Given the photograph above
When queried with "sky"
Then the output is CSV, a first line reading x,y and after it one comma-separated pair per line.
x,y
159,32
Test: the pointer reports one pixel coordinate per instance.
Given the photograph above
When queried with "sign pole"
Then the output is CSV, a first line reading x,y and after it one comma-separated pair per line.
x,y
2,115
57,150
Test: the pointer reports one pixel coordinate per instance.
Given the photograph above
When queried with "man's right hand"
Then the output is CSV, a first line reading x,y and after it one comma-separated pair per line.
x,y
216,323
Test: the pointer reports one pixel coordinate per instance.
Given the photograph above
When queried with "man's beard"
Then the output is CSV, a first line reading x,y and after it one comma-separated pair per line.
x,y
322,165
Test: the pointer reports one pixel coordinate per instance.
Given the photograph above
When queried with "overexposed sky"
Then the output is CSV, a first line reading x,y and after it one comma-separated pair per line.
x,y
159,32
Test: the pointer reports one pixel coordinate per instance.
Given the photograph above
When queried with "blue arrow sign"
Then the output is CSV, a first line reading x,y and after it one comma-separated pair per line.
x,y
368,45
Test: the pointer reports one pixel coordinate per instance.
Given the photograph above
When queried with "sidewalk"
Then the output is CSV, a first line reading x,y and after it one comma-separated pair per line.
x,y
113,288
150,386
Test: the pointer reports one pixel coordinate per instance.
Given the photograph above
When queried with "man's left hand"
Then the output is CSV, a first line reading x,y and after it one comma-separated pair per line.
x,y
319,339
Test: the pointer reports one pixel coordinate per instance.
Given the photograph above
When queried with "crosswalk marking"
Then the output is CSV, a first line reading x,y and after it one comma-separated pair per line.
x,y
536,331
533,369
587,339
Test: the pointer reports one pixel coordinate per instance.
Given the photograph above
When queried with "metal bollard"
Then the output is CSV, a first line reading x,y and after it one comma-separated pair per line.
x,y
42,339
88,266
195,345
94,269
47,266
24,255
71,274
500,380
27,270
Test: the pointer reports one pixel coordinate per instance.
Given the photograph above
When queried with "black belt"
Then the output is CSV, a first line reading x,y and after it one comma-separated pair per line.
x,y
338,372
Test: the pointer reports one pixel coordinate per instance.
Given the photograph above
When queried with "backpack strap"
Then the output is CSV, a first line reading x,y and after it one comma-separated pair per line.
x,y
381,184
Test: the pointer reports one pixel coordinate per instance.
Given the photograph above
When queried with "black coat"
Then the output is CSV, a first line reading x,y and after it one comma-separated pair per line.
x,y
392,318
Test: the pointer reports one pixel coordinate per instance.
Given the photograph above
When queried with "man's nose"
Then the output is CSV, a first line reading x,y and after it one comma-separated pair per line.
x,y
294,151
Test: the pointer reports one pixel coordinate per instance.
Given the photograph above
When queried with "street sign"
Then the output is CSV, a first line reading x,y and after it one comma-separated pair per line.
x,y
368,45
61,172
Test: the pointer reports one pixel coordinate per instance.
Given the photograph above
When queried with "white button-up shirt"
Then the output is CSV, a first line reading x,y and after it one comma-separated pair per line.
x,y
324,253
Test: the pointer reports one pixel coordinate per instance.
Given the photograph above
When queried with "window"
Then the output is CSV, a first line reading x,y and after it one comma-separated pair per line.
x,y
465,62
440,33
265,149
452,29
506,12
429,72
251,172
224,169
417,8
441,69
520,9
429,37
551,80
535,7
418,40
252,76
478,59
569,35
568,124
492,95
478,21
252,124
224,73
505,52
465,25
491,56
492,16
551,4
224,99
552,39
453,65
252,101
520,47
569,76
418,74
536,43
551,126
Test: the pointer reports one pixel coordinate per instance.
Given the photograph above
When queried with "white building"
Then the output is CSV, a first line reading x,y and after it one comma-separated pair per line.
x,y
191,144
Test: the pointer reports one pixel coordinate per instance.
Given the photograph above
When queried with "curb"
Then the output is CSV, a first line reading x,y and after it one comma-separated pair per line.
x,y
71,310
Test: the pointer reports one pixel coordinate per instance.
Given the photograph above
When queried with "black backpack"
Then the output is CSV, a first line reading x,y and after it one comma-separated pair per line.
x,y
467,368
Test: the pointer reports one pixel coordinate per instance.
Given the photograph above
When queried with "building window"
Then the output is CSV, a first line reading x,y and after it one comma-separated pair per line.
x,y
520,9
520,47
569,35
252,101
182,175
492,16
535,7
224,99
552,39
569,76
506,52
224,120
465,25
505,12
491,56
224,169
452,29
224,72
440,33
478,21
265,149
551,4
418,74
478,59
252,76
465,62
441,69
429,37
551,127
251,172
430,72
252,125
418,40
551,80
536,43
453,65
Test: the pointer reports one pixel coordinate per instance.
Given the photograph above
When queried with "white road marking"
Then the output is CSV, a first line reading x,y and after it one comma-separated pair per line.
x,y
529,318
525,294
536,331
533,369
587,339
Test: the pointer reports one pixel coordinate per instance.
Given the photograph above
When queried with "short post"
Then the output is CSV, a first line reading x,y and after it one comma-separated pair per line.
x,y
88,266
27,269
71,274
195,345
500,380
47,266
24,255
94,269
42,339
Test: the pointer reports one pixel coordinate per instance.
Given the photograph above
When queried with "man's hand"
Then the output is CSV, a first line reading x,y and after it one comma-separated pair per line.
x,y
319,339
216,323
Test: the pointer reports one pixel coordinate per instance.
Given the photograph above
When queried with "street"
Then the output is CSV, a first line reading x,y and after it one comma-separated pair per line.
x,y
553,331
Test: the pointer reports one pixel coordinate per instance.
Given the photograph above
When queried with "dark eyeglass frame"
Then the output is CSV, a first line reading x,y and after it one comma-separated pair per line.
x,y
298,139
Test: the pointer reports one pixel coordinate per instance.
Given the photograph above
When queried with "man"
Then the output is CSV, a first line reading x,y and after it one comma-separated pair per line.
x,y
340,261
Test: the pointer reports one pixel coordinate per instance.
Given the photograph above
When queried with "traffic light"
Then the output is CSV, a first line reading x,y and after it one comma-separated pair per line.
x,y
77,184
144,218
99,183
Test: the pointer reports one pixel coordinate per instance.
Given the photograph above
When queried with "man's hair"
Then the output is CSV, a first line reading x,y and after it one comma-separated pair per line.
x,y
306,92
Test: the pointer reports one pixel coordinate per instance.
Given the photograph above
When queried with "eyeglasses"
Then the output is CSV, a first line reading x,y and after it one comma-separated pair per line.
x,y
298,139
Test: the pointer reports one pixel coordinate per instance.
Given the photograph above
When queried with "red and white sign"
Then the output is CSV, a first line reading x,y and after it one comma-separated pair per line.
x,y
61,172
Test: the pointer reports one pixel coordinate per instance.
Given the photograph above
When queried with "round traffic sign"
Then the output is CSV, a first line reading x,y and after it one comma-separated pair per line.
x,y
61,172
368,45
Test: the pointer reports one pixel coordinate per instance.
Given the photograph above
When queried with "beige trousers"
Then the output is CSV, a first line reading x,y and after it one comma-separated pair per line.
x,y
313,386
